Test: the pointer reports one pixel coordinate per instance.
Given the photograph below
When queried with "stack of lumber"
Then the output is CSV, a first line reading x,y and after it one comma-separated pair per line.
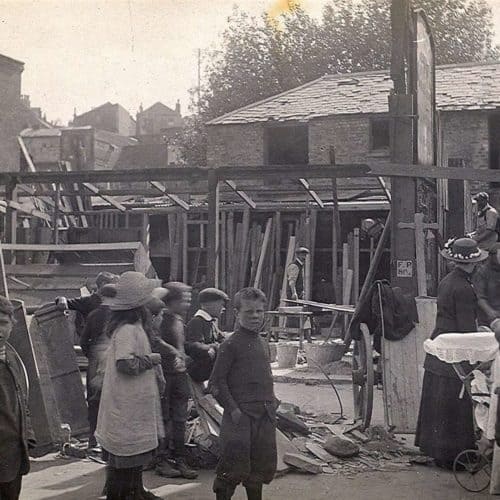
x,y
38,284
251,253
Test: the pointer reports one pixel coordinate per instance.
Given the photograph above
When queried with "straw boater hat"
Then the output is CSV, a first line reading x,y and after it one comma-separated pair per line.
x,y
463,250
132,290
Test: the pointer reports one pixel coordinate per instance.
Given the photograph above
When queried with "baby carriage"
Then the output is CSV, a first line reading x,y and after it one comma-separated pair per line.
x,y
472,468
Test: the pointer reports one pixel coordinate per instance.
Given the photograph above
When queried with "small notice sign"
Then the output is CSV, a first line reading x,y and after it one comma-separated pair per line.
x,y
404,269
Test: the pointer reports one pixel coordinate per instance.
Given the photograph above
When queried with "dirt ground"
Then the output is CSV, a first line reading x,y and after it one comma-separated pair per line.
x,y
61,479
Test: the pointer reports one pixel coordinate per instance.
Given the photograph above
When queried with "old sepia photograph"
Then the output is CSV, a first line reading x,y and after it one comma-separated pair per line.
x,y
249,249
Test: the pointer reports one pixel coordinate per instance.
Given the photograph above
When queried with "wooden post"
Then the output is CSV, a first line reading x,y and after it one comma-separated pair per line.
x,y
223,239
185,244
213,229
56,214
336,232
355,285
11,221
3,283
420,229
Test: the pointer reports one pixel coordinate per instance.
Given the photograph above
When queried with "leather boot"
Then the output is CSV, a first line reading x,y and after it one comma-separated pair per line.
x,y
254,492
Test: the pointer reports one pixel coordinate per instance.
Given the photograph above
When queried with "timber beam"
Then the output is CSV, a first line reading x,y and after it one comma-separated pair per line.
x,y
105,197
178,201
241,194
305,184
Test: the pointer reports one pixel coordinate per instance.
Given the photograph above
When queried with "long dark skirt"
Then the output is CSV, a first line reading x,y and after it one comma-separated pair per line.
x,y
445,422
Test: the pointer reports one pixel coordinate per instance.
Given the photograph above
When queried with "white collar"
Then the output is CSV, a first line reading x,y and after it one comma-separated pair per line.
x,y
201,313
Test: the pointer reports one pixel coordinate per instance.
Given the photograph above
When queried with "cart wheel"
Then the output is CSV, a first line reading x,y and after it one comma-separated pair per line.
x,y
472,471
362,377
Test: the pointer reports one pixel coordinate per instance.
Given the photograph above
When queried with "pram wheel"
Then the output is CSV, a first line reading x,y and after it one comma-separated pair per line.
x,y
472,470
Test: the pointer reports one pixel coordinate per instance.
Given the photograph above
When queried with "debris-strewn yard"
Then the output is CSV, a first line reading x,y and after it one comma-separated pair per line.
x,y
380,470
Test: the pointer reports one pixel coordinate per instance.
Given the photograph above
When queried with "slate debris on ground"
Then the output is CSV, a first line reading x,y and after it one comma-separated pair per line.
x,y
354,451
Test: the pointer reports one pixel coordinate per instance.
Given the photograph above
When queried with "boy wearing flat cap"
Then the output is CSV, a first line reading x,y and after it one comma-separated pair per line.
x,y
16,435
203,336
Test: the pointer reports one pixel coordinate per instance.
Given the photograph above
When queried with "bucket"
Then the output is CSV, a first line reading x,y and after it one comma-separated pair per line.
x,y
322,354
287,355
272,352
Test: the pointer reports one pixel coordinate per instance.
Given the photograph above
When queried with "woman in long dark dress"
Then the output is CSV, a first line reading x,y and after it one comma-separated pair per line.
x,y
445,421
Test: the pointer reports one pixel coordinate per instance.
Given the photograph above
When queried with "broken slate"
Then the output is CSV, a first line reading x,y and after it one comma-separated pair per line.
x,y
303,463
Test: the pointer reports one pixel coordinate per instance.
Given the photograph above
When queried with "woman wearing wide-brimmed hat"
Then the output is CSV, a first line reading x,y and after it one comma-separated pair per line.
x,y
445,421
129,425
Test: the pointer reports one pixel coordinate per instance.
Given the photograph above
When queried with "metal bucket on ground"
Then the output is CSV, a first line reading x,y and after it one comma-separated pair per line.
x,y
323,354
287,355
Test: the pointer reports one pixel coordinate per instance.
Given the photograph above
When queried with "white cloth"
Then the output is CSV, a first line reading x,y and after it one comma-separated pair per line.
x,y
129,421
201,313
475,347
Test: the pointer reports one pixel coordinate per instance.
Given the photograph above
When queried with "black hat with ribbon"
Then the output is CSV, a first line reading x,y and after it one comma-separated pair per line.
x,y
463,250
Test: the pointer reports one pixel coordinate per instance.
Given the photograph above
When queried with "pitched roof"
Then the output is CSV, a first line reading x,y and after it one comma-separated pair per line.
x,y
158,106
12,63
471,86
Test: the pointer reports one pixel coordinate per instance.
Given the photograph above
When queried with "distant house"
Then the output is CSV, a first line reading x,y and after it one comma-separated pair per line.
x,y
110,117
350,112
84,147
15,115
158,123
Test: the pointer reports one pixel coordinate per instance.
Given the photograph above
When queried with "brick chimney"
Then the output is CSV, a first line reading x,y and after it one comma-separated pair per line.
x,y
178,107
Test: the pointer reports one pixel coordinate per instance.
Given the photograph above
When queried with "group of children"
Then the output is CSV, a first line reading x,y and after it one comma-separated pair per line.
x,y
143,364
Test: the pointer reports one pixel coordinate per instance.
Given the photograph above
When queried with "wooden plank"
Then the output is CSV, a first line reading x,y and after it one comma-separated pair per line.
x,y
245,247
244,196
109,199
403,370
213,229
65,270
185,261
289,258
5,288
63,369
223,251
355,286
74,247
55,219
305,184
178,201
230,252
345,265
262,256
45,417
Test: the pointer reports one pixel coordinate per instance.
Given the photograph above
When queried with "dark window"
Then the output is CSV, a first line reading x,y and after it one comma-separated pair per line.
x,y
287,145
380,134
494,143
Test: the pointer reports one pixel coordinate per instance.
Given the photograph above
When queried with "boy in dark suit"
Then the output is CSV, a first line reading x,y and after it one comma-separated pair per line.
x,y
242,383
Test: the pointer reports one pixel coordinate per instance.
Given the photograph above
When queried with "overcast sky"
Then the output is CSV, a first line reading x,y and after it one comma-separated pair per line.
x,y
82,53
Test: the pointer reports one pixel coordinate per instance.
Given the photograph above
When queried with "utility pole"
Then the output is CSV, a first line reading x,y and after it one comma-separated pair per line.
x,y
401,110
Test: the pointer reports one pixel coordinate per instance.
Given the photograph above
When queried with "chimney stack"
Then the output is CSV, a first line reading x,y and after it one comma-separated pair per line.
x,y
178,107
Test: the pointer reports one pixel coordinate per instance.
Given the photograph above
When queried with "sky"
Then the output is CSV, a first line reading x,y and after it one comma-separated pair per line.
x,y
79,54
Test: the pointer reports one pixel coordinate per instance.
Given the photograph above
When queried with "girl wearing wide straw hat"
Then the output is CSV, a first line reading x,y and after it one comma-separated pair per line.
x,y
129,424
445,421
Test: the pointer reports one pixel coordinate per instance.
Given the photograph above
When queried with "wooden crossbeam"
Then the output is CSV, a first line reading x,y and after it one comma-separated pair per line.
x,y
305,184
178,201
30,211
73,247
105,197
241,194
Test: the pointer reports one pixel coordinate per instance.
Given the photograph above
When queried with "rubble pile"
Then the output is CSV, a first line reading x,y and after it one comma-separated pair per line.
x,y
326,446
